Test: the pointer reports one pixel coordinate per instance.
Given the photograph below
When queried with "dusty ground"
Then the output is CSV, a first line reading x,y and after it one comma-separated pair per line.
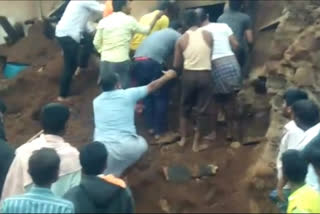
x,y
225,192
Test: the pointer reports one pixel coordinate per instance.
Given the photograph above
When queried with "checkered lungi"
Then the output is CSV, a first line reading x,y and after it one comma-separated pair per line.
x,y
226,74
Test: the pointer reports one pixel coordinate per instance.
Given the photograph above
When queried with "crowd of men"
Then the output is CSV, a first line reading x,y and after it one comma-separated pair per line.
x,y
209,58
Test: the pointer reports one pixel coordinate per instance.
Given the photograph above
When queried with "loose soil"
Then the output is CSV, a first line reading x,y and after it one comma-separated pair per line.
x,y
25,95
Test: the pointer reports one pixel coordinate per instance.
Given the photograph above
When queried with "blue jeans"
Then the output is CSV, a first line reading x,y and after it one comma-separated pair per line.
x,y
156,104
283,206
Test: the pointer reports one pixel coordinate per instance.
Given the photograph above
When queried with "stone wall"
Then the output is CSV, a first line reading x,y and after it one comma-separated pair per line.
x,y
294,62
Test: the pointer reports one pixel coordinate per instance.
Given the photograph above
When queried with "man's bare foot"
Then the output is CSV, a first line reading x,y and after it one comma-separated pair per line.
x,y
211,137
182,142
199,148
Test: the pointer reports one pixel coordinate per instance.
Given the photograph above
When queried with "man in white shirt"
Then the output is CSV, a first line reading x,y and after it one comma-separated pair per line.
x,y
306,117
54,118
225,72
69,32
292,133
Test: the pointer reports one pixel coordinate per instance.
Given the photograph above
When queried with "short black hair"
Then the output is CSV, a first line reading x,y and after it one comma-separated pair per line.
x,y
293,95
311,152
3,107
191,18
164,5
44,166
306,112
93,158
175,25
294,166
202,14
235,4
109,80
54,117
118,5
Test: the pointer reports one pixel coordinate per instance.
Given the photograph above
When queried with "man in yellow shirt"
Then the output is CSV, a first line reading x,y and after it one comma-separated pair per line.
x,y
113,36
303,198
162,23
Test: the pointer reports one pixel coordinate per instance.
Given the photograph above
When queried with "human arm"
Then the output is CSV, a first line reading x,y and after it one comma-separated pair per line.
x,y
249,37
94,6
234,43
156,84
208,38
156,19
178,56
97,41
280,185
248,33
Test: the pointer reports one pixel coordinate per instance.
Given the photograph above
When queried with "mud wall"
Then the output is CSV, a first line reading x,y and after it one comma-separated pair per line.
x,y
291,60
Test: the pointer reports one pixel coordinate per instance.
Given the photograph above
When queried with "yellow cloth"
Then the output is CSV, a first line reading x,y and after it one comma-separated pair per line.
x,y
304,200
113,36
108,8
147,19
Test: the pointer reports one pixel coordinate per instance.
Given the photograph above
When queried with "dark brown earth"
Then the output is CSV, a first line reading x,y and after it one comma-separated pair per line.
x,y
38,85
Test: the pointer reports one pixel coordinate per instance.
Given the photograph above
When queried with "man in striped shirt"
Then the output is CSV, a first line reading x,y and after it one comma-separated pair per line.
x,y
44,167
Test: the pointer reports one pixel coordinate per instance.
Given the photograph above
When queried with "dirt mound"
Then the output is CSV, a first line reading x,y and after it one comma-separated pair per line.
x,y
225,192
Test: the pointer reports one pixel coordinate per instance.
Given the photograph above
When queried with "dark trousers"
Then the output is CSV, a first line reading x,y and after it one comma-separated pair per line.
x,y
242,57
74,54
121,68
156,104
196,95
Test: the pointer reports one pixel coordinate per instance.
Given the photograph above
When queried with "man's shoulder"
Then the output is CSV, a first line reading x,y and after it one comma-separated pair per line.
x,y
64,202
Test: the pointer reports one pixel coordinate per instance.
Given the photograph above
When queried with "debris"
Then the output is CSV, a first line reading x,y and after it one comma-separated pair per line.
x,y
164,205
235,145
273,24
168,138
12,33
207,170
177,174
180,173
209,197
40,70
253,140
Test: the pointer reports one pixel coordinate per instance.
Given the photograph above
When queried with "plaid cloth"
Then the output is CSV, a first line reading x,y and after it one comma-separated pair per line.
x,y
226,74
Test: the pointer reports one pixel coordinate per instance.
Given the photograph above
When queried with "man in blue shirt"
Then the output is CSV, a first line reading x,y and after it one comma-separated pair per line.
x,y
44,167
114,120
150,59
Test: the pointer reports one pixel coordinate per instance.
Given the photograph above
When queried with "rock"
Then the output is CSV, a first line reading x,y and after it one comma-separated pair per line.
x,y
253,140
209,197
304,76
235,145
164,205
276,82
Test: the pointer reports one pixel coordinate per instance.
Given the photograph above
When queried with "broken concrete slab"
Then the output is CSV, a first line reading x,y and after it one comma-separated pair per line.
x,y
253,140
12,33
274,23
235,145
181,173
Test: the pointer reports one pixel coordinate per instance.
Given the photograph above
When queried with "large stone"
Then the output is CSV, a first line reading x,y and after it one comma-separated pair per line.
x,y
304,76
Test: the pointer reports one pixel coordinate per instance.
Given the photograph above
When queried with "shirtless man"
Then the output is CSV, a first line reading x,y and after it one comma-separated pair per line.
x,y
193,56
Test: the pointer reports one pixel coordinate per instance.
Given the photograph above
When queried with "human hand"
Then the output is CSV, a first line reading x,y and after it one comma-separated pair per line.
x,y
159,15
280,194
171,74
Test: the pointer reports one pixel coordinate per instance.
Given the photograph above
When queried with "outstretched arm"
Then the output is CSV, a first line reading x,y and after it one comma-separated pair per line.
x,y
156,84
